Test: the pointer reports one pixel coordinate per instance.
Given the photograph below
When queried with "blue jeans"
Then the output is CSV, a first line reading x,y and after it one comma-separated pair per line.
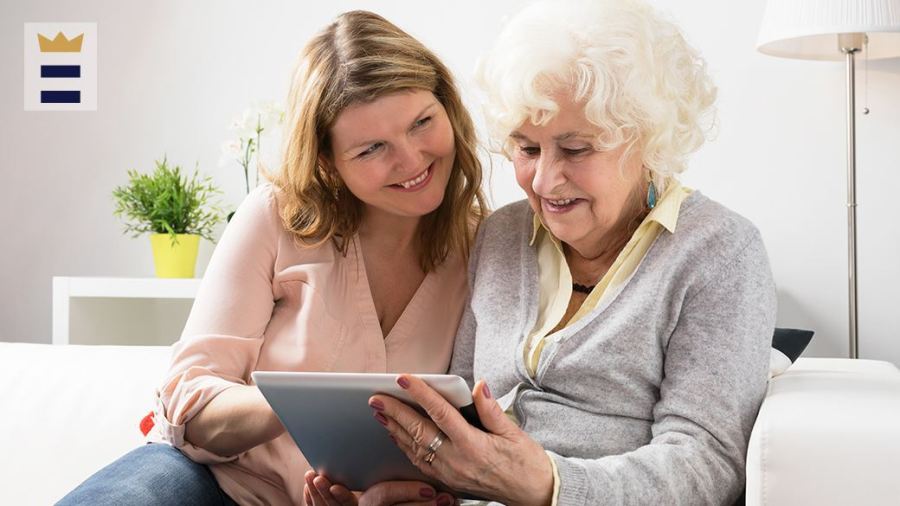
x,y
149,475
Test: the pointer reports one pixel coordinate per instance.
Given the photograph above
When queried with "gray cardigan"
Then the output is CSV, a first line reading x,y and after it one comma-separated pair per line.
x,y
650,398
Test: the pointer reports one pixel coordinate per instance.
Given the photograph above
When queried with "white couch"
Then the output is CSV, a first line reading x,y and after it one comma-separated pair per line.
x,y
827,434
68,411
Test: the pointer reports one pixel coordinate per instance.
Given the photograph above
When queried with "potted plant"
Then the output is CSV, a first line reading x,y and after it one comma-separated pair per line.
x,y
175,210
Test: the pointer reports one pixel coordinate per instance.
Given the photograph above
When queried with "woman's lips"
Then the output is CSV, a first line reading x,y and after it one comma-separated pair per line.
x,y
559,206
416,183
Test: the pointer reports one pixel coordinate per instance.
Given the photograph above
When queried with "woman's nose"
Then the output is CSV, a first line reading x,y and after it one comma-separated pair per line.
x,y
409,158
548,175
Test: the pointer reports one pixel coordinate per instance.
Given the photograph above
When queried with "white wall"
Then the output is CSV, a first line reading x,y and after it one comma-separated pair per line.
x,y
173,74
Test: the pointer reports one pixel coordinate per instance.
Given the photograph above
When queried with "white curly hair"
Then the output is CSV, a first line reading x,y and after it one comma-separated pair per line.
x,y
640,81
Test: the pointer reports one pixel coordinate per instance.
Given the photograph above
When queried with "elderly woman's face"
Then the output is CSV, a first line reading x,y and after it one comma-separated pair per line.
x,y
579,192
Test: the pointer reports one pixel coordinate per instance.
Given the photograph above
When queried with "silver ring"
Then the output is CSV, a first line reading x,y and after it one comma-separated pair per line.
x,y
431,449
435,443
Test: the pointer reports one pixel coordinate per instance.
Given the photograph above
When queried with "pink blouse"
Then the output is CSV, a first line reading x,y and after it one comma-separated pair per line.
x,y
265,304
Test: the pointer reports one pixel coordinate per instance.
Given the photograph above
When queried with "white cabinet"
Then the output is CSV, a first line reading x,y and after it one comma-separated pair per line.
x,y
137,306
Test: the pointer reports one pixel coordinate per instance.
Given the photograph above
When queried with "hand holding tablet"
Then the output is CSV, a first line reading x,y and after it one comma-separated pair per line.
x,y
328,416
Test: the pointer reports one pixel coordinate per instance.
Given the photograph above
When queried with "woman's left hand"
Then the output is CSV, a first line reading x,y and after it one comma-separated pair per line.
x,y
503,464
319,491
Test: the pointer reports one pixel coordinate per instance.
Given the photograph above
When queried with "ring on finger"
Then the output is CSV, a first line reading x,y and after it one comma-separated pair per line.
x,y
435,443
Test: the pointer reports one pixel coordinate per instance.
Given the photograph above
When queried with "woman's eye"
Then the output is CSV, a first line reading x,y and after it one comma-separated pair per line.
x,y
370,150
422,122
530,150
575,152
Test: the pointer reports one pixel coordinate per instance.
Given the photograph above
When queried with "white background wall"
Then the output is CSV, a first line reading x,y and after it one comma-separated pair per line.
x,y
173,74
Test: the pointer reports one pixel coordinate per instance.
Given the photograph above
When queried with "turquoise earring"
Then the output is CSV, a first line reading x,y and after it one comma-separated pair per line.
x,y
651,195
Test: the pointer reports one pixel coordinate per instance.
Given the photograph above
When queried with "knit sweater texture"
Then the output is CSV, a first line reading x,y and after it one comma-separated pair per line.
x,y
651,397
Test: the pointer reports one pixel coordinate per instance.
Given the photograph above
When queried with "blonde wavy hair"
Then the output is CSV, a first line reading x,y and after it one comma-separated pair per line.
x,y
357,59
640,81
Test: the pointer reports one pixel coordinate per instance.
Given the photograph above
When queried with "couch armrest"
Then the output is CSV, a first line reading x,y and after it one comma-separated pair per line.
x,y
827,433
69,410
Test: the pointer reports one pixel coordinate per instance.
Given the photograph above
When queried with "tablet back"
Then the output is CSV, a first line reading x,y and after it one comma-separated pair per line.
x,y
329,418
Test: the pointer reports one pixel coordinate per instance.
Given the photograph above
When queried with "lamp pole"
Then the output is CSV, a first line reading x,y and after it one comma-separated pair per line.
x,y
850,44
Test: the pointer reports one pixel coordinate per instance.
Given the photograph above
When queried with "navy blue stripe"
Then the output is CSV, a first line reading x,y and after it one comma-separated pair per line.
x,y
60,70
60,97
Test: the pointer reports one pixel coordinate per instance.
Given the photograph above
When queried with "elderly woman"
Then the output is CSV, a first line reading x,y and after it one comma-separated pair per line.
x,y
622,320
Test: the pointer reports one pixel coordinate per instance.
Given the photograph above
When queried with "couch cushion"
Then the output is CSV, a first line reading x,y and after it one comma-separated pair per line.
x,y
828,433
70,410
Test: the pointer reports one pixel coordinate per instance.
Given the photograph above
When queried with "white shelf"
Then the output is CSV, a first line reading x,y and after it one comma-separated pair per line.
x,y
148,288
67,288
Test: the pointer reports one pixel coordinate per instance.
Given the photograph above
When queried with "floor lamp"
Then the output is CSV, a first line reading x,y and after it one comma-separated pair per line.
x,y
836,30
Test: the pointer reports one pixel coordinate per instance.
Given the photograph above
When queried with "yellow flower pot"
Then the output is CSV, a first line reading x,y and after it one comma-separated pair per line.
x,y
174,260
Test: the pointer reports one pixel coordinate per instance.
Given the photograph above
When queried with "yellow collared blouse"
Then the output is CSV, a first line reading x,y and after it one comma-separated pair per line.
x,y
556,279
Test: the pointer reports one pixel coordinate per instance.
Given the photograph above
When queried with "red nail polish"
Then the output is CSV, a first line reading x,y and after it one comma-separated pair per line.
x,y
403,382
381,419
376,405
486,391
444,500
427,493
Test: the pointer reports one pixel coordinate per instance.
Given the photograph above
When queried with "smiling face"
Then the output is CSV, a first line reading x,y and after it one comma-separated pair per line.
x,y
395,154
580,192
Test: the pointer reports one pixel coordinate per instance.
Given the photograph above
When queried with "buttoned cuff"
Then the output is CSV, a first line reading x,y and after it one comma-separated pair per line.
x,y
171,429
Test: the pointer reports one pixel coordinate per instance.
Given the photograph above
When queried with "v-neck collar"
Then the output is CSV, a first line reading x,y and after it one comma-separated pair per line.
x,y
366,303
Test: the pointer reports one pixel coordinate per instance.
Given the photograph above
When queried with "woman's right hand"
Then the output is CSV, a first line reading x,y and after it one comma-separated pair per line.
x,y
319,491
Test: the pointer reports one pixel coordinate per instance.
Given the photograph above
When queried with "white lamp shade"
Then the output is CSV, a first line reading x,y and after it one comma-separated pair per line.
x,y
808,29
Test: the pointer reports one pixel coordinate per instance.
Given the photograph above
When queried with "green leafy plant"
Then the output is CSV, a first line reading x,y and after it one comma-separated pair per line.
x,y
167,202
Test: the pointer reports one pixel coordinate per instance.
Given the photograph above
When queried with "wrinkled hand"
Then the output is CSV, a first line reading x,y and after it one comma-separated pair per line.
x,y
502,464
319,491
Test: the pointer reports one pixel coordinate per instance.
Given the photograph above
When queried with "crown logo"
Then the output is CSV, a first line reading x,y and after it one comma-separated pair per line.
x,y
60,44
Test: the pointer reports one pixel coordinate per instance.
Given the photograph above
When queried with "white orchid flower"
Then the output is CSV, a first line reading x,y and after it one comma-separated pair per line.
x,y
230,151
261,120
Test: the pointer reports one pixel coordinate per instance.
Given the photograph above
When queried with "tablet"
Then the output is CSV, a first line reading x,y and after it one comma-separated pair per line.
x,y
329,417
